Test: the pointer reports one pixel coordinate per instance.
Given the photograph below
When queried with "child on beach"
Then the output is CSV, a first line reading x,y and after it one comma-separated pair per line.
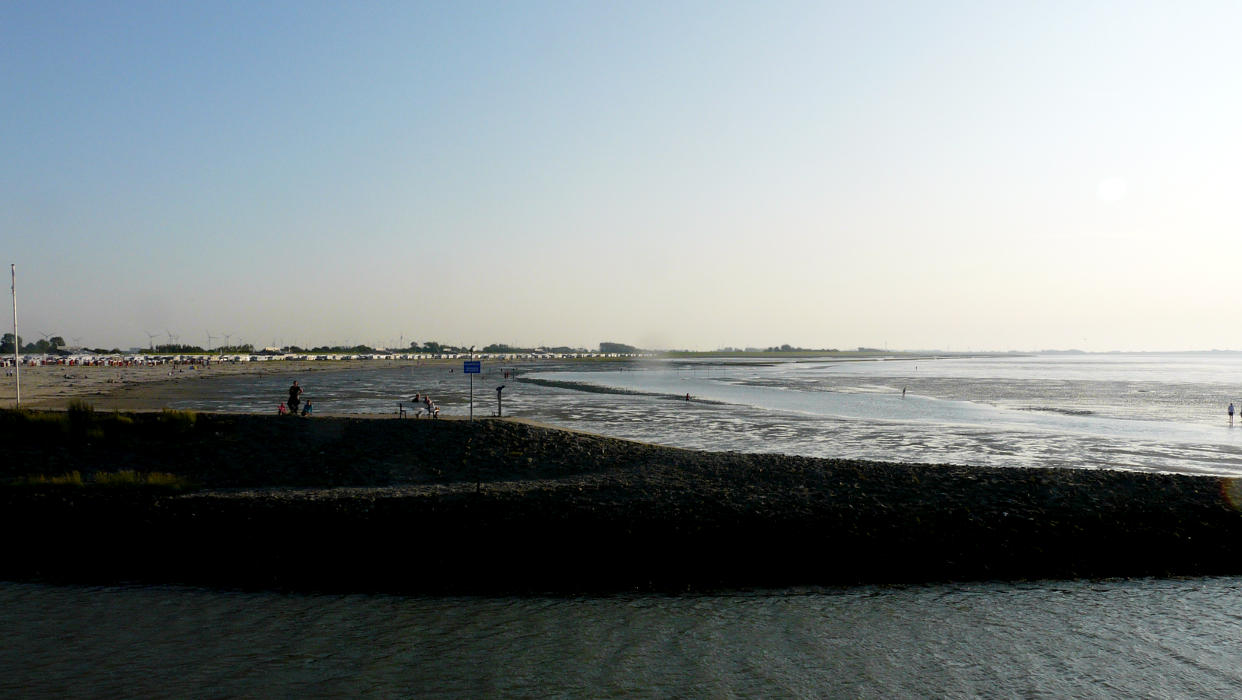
x,y
282,410
306,410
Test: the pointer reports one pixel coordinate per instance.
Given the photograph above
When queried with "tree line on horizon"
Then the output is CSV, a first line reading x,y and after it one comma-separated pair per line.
x,y
42,346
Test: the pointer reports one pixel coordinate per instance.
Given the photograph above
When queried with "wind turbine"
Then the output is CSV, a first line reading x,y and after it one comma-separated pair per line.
x,y
209,339
172,339
151,339
46,337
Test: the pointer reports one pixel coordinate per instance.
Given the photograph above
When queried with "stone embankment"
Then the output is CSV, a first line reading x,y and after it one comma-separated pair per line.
x,y
358,504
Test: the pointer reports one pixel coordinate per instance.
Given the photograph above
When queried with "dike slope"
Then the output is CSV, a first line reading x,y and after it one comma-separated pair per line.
x,y
370,504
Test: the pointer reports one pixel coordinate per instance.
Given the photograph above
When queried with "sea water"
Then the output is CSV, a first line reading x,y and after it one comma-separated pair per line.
x,y
1112,638
1057,639
1141,412
1152,412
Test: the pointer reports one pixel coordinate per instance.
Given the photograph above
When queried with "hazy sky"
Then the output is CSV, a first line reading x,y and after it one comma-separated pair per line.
x,y
962,175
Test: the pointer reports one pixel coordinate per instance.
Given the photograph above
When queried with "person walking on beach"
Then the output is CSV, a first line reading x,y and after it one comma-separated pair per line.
x,y
1230,413
295,392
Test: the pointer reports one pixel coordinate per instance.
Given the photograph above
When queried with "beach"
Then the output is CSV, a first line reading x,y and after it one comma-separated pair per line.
x,y
151,387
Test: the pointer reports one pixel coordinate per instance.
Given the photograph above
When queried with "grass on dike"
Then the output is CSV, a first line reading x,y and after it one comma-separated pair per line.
x,y
123,478
80,416
81,421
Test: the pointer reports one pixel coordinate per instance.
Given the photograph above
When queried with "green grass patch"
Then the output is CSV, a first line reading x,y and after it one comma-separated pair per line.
x,y
129,477
73,478
28,418
80,410
81,422
181,421
124,478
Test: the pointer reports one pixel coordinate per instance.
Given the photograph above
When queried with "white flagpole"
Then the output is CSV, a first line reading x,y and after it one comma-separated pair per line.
x,y
17,365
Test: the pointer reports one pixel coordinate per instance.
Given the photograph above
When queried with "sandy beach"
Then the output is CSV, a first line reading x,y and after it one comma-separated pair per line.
x,y
142,388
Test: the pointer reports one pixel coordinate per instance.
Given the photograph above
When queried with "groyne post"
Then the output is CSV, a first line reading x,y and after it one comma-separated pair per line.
x,y
17,364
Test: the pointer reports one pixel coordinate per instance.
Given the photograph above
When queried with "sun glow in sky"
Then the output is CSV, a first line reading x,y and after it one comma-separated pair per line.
x,y
958,175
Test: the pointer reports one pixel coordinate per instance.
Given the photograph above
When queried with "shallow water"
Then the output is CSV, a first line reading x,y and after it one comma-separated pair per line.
x,y
1144,638
1142,412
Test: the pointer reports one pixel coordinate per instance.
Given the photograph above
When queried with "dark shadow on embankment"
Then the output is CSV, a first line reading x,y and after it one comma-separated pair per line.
x,y
355,504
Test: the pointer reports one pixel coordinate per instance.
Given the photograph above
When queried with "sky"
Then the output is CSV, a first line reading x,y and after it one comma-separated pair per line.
x,y
910,175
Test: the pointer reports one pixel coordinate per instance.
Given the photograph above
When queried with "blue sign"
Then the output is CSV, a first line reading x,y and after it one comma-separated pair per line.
x,y
474,367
